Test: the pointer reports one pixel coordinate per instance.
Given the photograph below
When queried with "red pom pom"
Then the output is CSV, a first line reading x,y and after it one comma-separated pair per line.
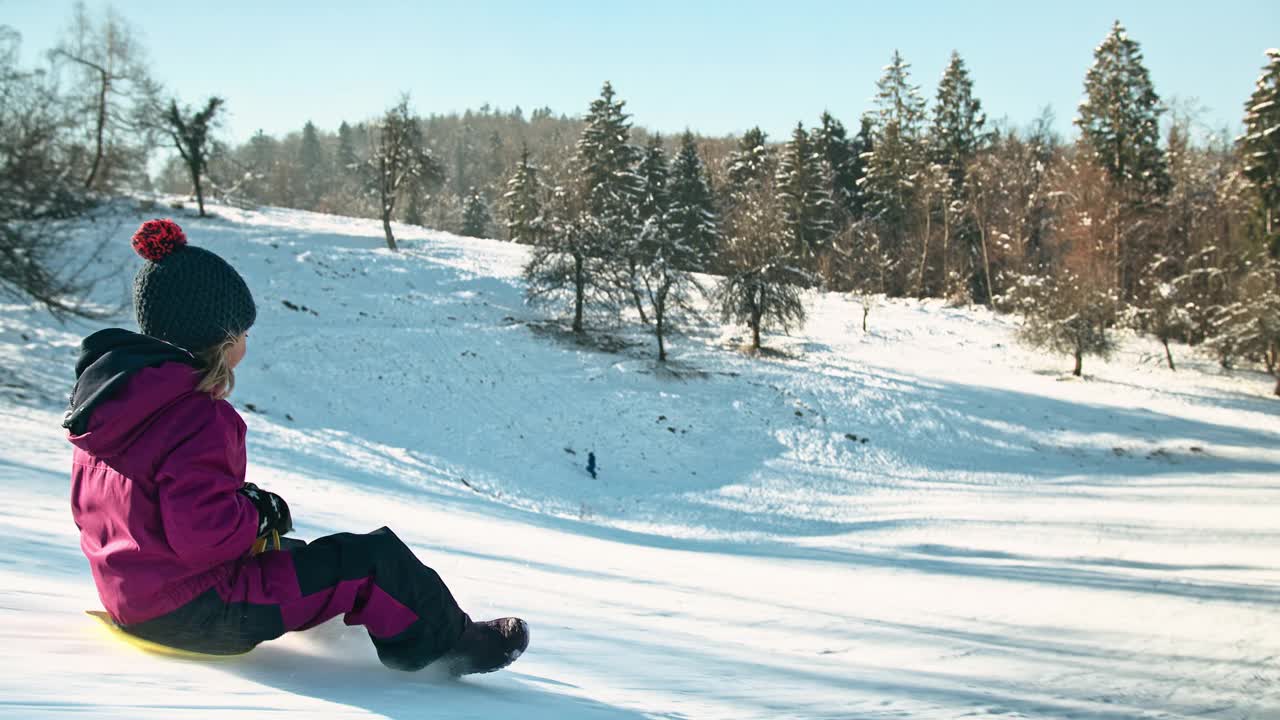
x,y
156,239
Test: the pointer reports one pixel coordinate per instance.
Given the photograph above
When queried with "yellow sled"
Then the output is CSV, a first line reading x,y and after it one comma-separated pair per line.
x,y
154,647
266,541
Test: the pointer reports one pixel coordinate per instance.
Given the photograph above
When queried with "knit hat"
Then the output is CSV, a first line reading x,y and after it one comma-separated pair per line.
x,y
186,295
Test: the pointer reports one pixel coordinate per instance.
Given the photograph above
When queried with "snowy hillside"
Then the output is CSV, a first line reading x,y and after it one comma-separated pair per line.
x,y
925,520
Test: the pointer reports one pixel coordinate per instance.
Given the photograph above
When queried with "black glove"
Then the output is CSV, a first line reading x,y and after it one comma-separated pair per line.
x,y
273,512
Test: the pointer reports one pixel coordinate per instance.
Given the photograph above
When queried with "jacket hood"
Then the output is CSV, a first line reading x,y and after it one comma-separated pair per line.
x,y
122,379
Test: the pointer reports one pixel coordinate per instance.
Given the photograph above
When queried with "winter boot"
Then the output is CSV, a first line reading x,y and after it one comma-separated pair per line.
x,y
487,646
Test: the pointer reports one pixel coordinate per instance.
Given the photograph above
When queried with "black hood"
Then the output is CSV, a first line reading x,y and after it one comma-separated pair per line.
x,y
108,358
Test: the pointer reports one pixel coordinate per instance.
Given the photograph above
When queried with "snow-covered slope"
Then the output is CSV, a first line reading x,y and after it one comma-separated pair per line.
x,y
924,520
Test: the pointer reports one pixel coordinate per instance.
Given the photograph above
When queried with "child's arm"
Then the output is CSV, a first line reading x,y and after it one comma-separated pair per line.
x,y
206,521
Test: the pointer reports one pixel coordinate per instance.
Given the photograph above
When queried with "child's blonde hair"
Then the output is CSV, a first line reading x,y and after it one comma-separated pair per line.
x,y
218,378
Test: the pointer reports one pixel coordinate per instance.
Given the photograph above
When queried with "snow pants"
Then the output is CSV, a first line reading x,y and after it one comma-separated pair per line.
x,y
373,580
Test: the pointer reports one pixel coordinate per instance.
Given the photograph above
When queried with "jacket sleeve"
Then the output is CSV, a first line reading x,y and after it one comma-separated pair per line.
x,y
206,521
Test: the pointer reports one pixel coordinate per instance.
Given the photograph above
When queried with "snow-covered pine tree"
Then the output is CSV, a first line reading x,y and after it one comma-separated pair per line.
x,y
1165,309
1249,327
679,234
804,197
1119,118
750,161
1203,288
652,202
610,187
839,154
523,201
893,169
476,218
761,285
1119,121
399,161
958,131
1260,147
860,148
606,167
956,137
691,216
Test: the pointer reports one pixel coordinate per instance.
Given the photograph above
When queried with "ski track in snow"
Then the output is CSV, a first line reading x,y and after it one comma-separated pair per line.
x,y
1006,541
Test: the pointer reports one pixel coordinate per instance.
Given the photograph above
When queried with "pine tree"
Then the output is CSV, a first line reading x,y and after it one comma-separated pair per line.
x,y
893,169
476,217
957,133
691,218
761,285
1119,118
654,173
674,236
1119,121
750,162
1260,147
606,165
345,156
860,149
1164,312
804,197
1250,325
523,199
956,137
311,164
839,155
610,189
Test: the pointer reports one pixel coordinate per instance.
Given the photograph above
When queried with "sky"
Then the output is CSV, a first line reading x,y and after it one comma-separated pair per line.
x,y
714,67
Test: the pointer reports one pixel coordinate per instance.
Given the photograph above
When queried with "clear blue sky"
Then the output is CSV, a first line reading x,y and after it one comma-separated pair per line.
x,y
717,67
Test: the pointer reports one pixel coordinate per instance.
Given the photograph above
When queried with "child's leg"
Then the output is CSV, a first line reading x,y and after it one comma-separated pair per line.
x,y
373,579
376,581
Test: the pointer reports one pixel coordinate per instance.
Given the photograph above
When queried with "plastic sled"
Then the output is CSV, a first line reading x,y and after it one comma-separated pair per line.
x,y
270,541
154,648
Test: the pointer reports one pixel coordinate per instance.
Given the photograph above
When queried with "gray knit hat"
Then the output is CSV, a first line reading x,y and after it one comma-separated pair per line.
x,y
186,295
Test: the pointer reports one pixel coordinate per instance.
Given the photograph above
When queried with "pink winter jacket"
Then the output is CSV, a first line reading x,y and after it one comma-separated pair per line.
x,y
153,491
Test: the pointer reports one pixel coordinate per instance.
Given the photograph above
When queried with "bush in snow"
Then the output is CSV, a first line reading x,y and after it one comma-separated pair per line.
x,y
1249,327
1066,314
762,285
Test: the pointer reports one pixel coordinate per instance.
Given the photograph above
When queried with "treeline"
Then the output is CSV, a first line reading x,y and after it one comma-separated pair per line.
x,y
1144,221
1171,232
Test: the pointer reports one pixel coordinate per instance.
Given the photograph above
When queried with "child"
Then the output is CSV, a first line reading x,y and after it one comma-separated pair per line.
x,y
168,522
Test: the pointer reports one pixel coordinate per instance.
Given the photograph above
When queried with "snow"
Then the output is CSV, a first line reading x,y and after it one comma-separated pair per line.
x,y
925,520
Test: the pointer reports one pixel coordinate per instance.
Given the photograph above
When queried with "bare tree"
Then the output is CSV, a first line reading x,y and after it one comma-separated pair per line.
x,y
112,93
191,135
38,197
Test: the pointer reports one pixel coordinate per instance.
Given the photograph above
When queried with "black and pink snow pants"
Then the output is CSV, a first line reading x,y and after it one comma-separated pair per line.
x,y
373,580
